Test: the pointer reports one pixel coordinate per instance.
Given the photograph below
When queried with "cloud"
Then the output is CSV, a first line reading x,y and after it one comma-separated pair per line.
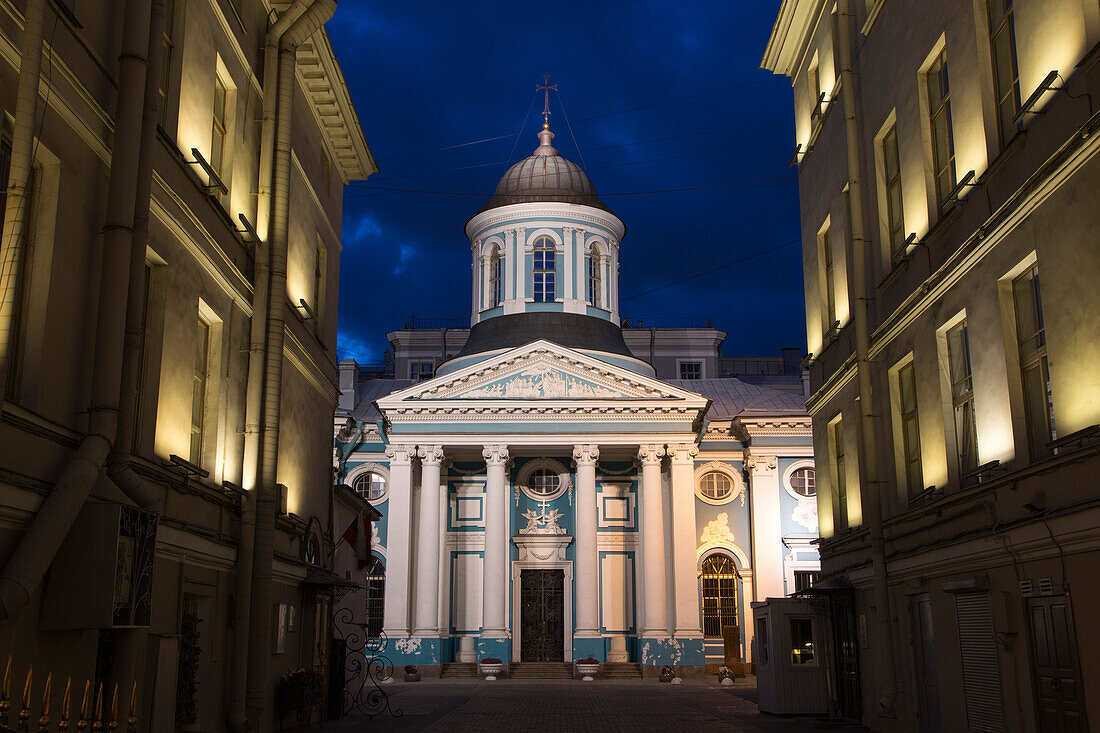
x,y
350,347
406,253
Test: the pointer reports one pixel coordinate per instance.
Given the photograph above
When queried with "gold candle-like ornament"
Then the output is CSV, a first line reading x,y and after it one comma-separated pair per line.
x,y
5,694
63,723
25,708
97,719
112,724
132,721
44,718
82,722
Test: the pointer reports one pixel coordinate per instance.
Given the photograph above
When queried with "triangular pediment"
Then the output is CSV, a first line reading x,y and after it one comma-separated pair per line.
x,y
540,372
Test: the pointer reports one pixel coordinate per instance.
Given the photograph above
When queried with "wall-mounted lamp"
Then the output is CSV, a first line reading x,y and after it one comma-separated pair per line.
x,y
281,493
967,180
248,228
807,360
215,183
1046,85
189,468
232,488
912,240
797,157
304,307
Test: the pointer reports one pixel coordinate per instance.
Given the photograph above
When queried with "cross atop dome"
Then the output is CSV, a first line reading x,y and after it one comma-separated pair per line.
x,y
545,136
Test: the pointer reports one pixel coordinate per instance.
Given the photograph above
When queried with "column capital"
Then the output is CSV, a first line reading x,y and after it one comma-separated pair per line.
x,y
400,455
760,464
568,229
495,455
650,454
683,453
430,455
586,455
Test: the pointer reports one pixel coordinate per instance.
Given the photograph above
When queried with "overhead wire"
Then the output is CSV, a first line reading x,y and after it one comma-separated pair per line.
x,y
564,114
519,132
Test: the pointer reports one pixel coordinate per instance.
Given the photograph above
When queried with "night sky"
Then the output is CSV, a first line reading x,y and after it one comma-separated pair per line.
x,y
661,96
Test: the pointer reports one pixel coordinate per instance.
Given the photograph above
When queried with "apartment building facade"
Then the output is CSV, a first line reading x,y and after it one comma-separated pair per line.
x,y
174,175
947,162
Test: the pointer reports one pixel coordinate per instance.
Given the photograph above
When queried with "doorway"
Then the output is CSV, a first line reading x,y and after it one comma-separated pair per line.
x,y
542,616
928,684
720,622
1057,673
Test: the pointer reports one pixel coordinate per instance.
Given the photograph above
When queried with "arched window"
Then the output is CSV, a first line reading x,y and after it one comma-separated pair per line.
x,y
543,281
494,278
803,481
716,486
719,578
595,280
375,597
371,486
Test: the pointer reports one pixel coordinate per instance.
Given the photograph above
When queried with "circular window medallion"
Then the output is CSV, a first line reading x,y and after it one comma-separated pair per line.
x,y
803,482
716,486
717,483
370,481
543,479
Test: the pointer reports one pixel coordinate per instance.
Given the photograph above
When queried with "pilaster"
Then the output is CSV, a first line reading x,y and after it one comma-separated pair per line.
x,y
767,539
395,620
587,558
681,460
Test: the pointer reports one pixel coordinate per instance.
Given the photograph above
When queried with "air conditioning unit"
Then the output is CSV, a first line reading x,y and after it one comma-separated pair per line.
x,y
102,577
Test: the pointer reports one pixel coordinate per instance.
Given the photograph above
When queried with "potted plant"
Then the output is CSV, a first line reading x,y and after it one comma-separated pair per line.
x,y
588,667
666,674
491,667
411,673
725,675
299,691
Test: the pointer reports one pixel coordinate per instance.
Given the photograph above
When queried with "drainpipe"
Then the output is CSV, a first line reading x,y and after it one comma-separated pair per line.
x,y
22,142
254,387
38,546
872,499
118,461
259,654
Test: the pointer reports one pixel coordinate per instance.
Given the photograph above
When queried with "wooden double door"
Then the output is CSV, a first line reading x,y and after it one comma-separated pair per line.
x,y
542,616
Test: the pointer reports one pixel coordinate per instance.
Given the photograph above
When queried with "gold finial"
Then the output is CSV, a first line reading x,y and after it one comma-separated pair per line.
x,y
97,719
44,718
25,709
545,88
82,723
5,694
63,723
112,724
132,721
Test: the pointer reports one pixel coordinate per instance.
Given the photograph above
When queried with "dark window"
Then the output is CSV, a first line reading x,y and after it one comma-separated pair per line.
x,y
804,579
803,481
375,598
5,167
166,62
1031,333
962,398
198,391
494,278
910,428
419,370
691,370
719,582
830,280
891,170
1006,75
544,482
943,140
544,270
841,475
595,285
762,636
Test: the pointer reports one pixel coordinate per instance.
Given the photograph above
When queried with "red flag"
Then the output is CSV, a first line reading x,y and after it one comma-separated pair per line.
x,y
357,535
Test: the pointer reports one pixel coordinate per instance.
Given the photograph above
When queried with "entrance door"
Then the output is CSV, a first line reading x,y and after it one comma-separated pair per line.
x,y
542,624
928,684
1055,665
719,588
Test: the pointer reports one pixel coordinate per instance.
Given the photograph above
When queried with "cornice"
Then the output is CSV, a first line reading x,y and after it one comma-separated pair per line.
x,y
501,215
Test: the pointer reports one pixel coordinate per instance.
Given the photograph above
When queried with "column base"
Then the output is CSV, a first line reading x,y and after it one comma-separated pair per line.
x,y
673,652
589,646
413,650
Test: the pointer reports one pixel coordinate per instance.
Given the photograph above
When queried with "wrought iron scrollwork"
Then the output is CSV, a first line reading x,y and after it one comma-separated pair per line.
x,y
367,667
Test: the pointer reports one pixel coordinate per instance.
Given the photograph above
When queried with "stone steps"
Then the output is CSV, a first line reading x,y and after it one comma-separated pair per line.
x,y
458,669
621,671
540,670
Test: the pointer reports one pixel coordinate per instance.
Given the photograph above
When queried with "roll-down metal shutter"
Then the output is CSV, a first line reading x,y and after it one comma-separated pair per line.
x,y
978,651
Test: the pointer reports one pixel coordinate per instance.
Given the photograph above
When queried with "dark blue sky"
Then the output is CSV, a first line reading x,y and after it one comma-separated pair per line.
x,y
426,75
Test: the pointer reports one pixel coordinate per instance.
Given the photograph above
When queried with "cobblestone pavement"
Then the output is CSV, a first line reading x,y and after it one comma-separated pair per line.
x,y
603,706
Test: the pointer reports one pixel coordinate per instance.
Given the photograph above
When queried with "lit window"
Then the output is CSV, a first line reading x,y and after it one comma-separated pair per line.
x,y
217,133
371,486
595,284
910,428
939,116
544,482
841,475
543,273
802,641
1006,76
419,370
962,398
891,164
691,370
716,486
1031,333
803,482
813,79
198,391
830,280
718,580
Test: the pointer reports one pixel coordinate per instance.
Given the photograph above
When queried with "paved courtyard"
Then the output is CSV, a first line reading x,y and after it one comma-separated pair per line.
x,y
571,705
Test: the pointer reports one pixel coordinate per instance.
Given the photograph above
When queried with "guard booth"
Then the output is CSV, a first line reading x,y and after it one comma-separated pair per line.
x,y
791,668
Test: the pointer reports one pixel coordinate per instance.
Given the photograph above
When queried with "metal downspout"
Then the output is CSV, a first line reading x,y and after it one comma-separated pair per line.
x,y
872,486
259,653
118,461
19,174
238,720
38,546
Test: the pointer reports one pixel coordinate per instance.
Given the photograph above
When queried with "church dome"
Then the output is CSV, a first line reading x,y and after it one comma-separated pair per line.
x,y
545,176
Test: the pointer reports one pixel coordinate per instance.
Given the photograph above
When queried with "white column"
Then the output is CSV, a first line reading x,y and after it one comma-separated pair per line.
x,y
767,528
570,247
655,622
427,548
494,621
486,296
613,283
395,619
474,310
684,573
509,268
521,265
587,576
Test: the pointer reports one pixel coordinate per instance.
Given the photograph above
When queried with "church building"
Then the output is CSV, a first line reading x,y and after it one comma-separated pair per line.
x,y
545,497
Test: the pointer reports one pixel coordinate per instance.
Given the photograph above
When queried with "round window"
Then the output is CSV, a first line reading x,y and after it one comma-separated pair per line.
x,y
544,482
803,482
371,486
716,486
